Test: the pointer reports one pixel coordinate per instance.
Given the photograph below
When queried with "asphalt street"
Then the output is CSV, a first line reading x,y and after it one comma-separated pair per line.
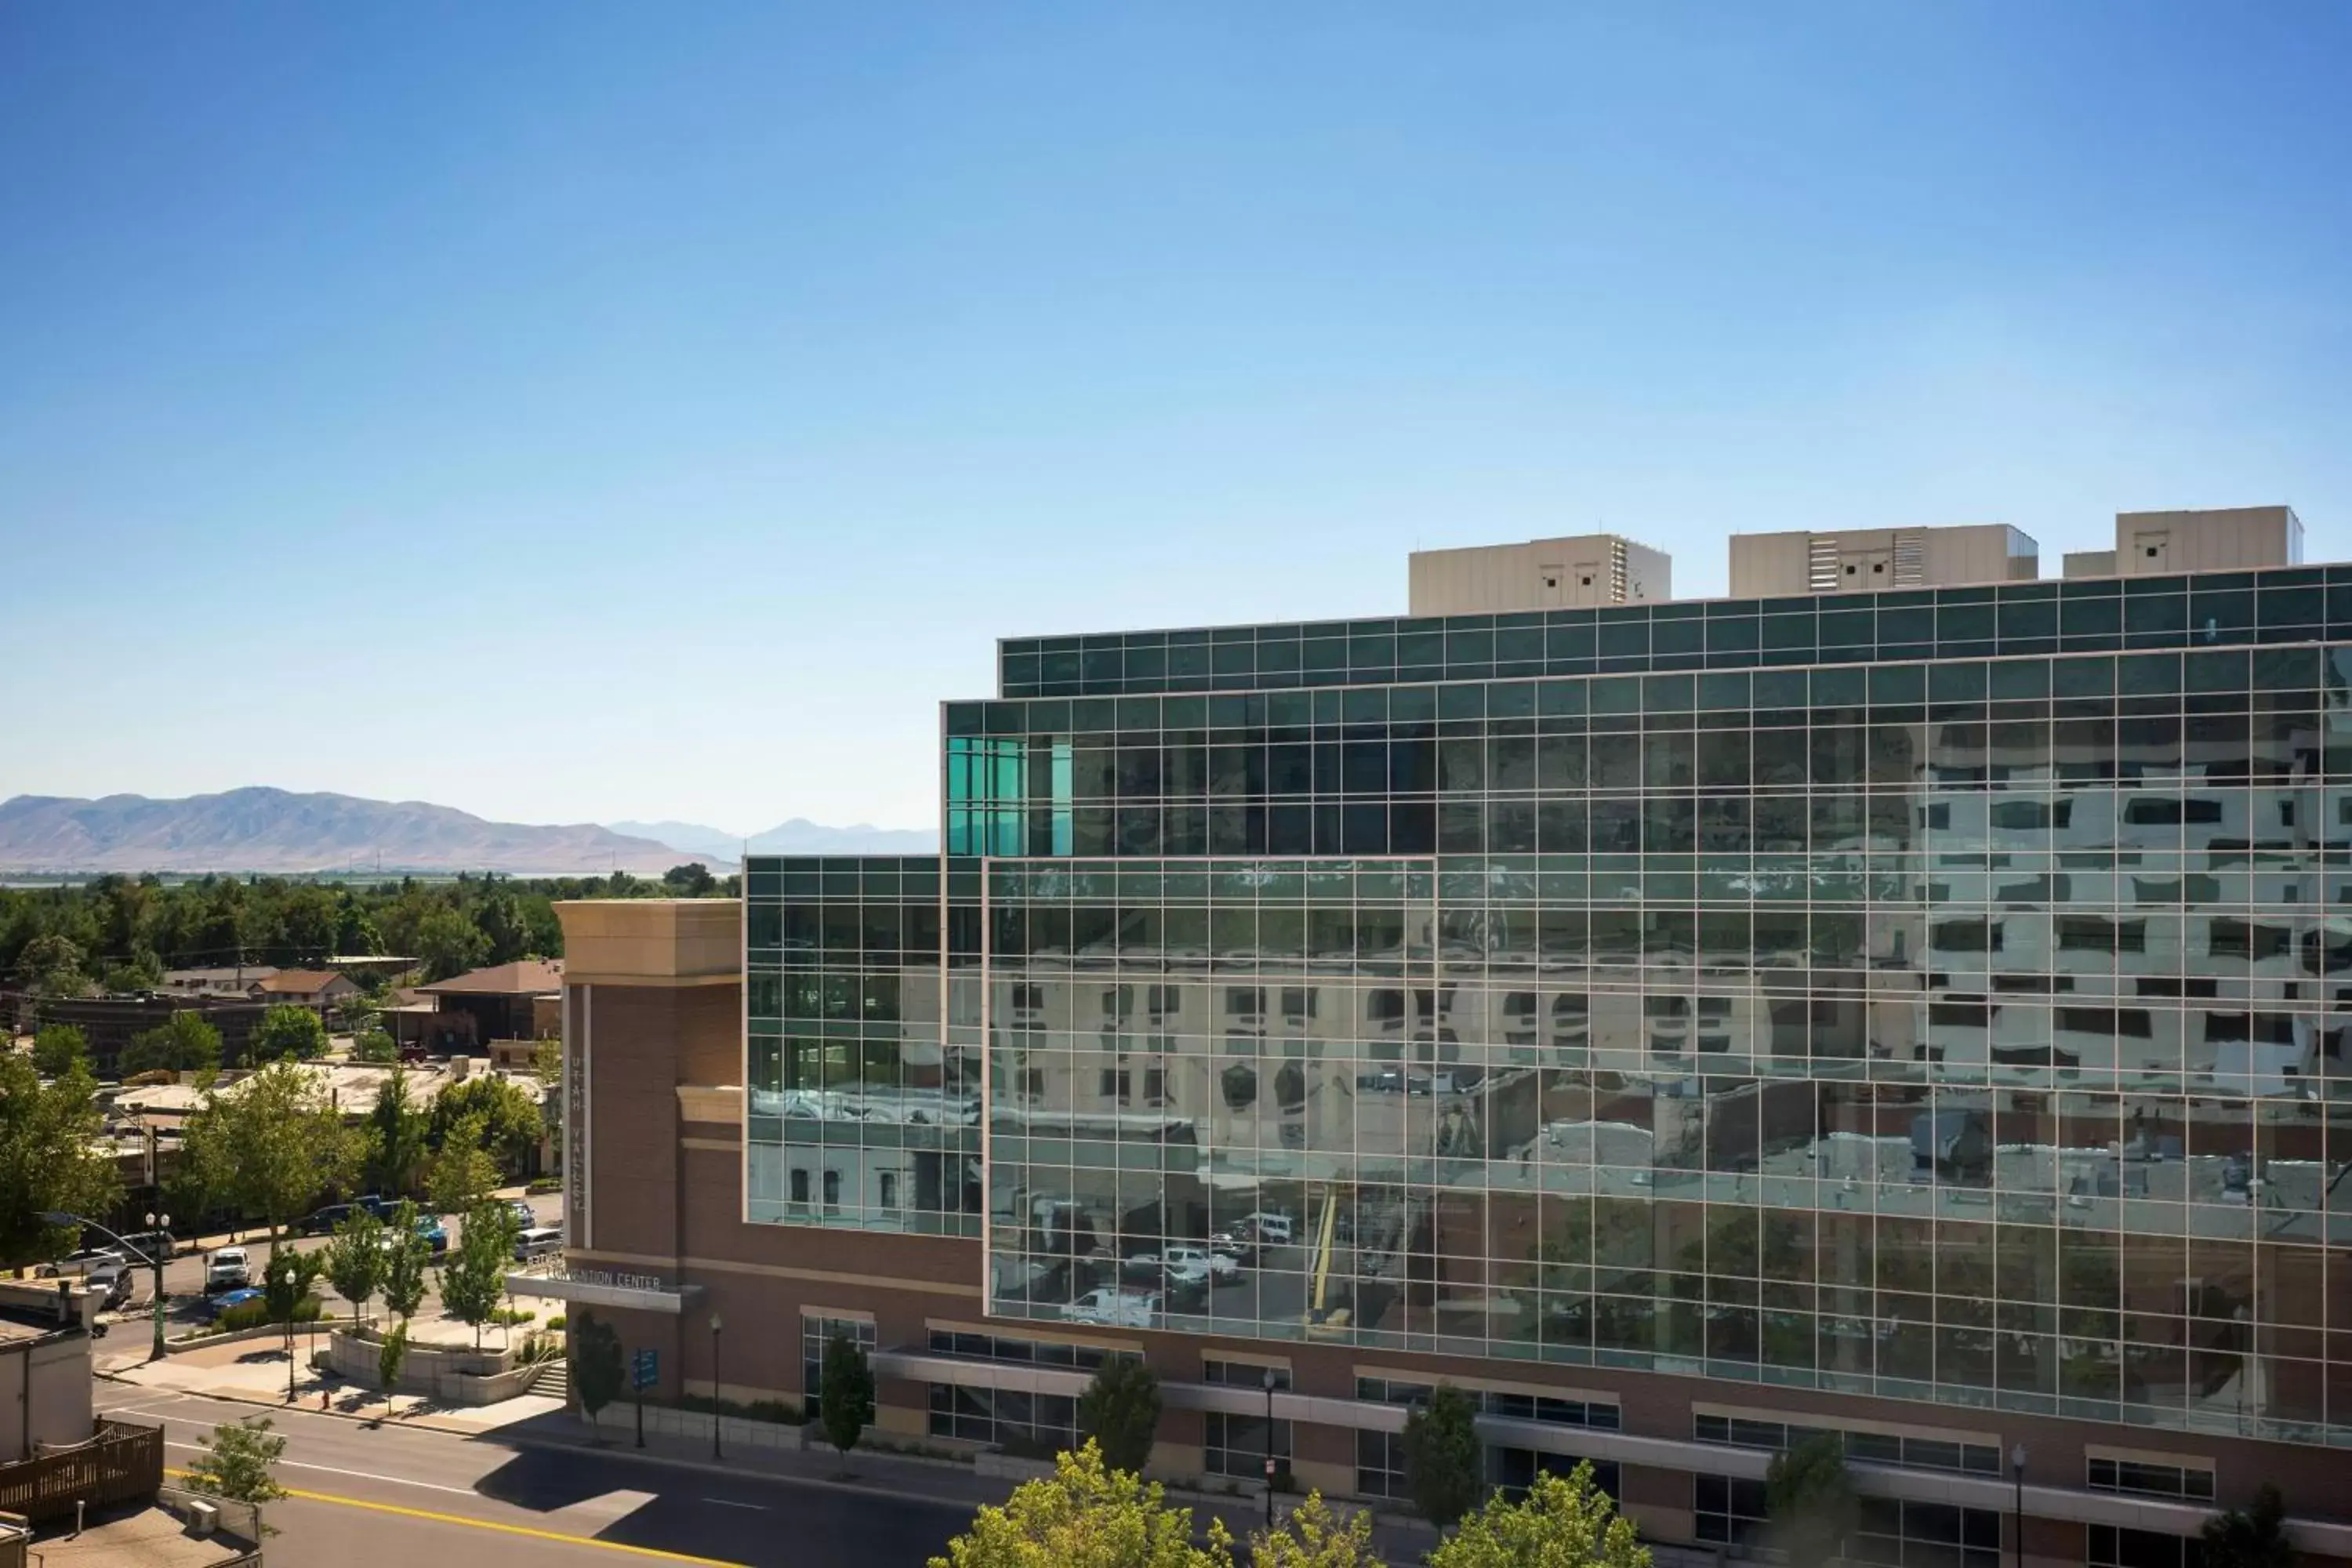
x,y
366,1495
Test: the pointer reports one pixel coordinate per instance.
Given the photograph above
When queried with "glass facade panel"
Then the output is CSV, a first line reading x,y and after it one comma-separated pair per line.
x,y
1866,1009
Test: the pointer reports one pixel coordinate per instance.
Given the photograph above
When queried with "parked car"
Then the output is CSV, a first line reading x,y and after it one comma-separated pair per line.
x,y
82,1262
227,1269
323,1221
537,1241
1240,1248
435,1234
521,1212
1193,1263
214,1306
1112,1307
112,1281
143,1247
1269,1228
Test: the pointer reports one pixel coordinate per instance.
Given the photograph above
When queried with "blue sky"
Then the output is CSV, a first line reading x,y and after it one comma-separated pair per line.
x,y
577,411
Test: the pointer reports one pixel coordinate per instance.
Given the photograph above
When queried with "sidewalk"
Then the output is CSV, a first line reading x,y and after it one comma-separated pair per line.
x,y
258,1377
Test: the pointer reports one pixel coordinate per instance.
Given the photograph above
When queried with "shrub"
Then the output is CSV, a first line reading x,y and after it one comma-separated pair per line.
x,y
511,1316
555,1324
544,1185
254,1314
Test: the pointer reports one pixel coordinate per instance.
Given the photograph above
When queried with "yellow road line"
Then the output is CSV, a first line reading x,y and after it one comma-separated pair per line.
x,y
523,1530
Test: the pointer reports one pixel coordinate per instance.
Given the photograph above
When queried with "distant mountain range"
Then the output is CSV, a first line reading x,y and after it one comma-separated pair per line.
x,y
797,836
274,830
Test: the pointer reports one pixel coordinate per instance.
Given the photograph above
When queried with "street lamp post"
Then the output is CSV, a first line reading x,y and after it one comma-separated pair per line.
x,y
714,1384
1269,1448
2017,1478
158,1224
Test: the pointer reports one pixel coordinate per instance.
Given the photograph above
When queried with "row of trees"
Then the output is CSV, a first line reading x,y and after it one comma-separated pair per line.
x,y
121,934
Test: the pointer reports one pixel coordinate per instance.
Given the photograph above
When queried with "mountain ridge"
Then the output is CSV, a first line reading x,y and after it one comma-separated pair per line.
x,y
257,829
794,836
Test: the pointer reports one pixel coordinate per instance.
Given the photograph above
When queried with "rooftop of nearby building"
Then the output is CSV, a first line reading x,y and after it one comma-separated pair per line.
x,y
526,977
139,1537
295,982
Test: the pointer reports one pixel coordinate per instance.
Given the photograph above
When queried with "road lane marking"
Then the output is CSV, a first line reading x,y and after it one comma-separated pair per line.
x,y
497,1528
728,1502
357,1475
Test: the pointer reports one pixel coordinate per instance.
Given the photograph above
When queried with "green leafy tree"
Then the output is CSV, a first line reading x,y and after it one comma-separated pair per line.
x,y
48,1161
184,1042
286,1284
1444,1463
845,1393
475,1280
140,971
691,880
355,1260
1563,1520
507,1120
1088,1515
463,1170
58,1047
1120,1412
239,1464
272,1143
1313,1537
547,1062
448,943
595,1348
2251,1538
1809,1499
52,966
405,1256
391,1355
396,1146
289,1032
373,1046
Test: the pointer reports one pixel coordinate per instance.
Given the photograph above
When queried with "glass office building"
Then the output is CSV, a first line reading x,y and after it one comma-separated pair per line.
x,y
1935,994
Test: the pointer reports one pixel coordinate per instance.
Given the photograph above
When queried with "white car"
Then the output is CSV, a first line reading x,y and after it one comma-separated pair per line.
x,y
1272,1227
1189,1265
226,1269
1112,1307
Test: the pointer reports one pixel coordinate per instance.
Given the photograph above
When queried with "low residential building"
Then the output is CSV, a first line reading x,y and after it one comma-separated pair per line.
x,y
502,1001
317,989
236,981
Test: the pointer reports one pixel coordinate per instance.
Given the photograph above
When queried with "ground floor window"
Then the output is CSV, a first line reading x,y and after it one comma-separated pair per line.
x,y
1004,1415
1515,1469
1729,1512
1237,1446
1925,1535
816,1332
2108,1547
1379,1464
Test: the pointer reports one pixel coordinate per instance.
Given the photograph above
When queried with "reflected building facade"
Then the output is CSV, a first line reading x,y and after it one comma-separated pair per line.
x,y
1919,1015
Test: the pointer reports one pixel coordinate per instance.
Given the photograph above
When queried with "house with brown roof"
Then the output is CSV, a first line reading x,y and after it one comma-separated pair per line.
x,y
315,988
500,1003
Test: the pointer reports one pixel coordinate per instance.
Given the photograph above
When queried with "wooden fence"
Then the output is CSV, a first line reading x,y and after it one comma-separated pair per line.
x,y
121,1463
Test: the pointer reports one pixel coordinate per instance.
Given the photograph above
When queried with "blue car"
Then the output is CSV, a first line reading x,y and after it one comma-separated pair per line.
x,y
216,1305
435,1234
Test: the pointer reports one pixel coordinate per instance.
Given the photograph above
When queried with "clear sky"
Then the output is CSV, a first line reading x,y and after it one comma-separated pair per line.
x,y
586,411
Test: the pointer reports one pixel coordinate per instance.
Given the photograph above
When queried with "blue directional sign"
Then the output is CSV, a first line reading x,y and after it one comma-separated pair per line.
x,y
645,1369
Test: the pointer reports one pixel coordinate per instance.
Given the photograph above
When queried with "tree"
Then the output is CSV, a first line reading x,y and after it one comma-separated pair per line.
x,y
58,1047
289,1032
286,1284
184,1042
547,1062
140,970
48,1161
2251,1538
52,966
395,1138
475,1280
1809,1499
595,1349
463,1171
1120,1412
1313,1537
373,1046
271,1144
389,1357
508,1120
355,1260
404,1253
236,1463
1087,1515
845,1393
1444,1463
1563,1520
691,880
448,943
